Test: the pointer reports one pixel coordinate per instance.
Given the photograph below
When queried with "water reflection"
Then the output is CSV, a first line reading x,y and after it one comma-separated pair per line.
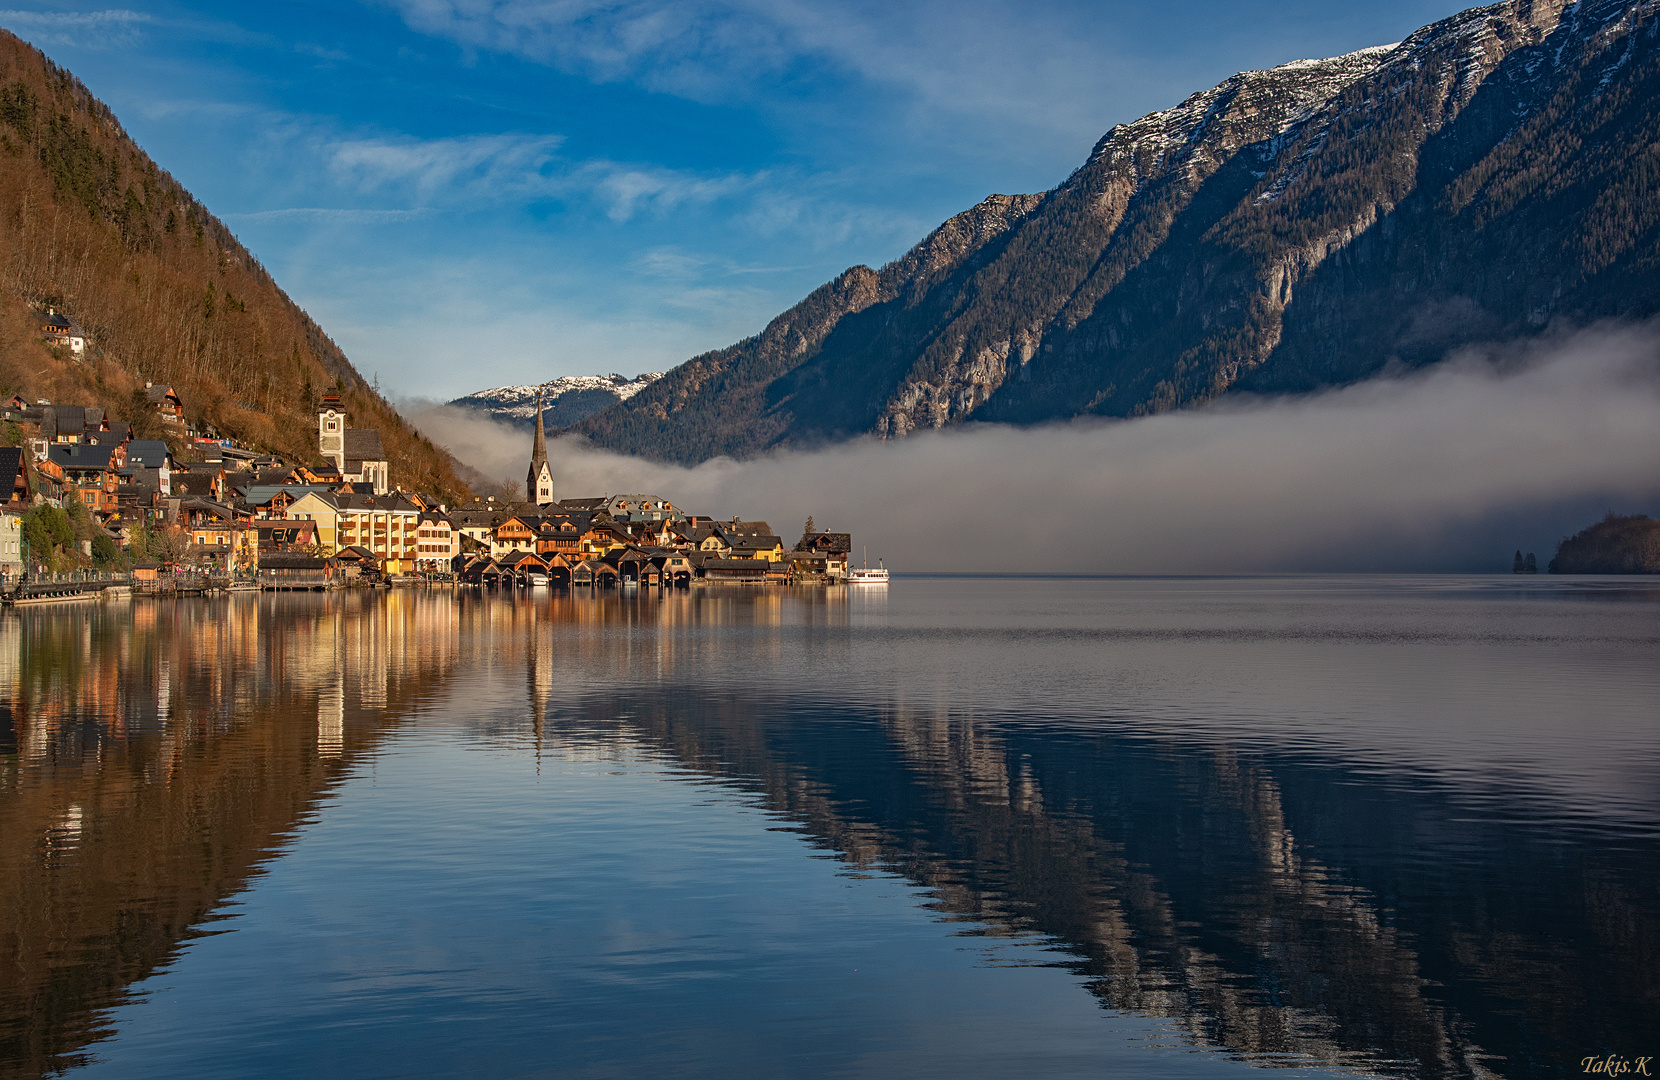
x,y
1277,896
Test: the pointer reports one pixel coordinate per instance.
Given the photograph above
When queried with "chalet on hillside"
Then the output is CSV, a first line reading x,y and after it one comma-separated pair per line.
x,y
15,490
168,405
60,330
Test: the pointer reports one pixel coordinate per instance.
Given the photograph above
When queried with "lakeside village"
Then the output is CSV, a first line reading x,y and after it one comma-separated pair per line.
x,y
85,502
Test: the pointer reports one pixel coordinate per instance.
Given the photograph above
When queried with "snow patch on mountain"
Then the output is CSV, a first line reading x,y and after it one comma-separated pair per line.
x,y
595,392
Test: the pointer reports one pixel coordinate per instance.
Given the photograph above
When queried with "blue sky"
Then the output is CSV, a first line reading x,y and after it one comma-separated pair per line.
x,y
467,193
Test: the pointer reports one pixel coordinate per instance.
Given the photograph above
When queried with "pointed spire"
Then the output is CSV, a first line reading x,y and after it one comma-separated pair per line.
x,y
538,453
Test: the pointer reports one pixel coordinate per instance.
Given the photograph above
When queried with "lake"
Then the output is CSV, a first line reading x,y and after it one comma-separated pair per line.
x,y
955,827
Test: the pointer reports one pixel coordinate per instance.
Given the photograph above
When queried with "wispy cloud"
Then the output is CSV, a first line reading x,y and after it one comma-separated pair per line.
x,y
1003,63
524,168
80,29
629,190
491,166
331,215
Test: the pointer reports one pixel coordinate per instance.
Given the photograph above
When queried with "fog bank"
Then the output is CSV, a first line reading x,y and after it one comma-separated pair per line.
x,y
1450,468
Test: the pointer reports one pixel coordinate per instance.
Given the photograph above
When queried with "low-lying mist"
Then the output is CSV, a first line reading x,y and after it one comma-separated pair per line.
x,y
1449,468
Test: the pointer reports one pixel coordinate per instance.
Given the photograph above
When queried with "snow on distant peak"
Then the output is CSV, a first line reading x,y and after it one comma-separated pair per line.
x,y
519,402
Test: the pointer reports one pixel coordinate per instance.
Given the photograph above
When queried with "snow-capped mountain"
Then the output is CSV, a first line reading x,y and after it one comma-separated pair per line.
x,y
1297,227
565,400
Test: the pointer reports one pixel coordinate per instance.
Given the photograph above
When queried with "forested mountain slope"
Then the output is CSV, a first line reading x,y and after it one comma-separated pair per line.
x,y
90,224
1286,230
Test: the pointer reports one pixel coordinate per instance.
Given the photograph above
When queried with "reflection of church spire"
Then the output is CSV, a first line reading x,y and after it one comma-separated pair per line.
x,y
539,480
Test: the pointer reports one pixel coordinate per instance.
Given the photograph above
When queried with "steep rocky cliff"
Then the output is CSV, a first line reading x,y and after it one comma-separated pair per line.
x,y
1288,229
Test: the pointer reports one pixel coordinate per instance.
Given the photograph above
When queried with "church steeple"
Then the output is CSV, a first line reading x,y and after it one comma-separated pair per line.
x,y
539,480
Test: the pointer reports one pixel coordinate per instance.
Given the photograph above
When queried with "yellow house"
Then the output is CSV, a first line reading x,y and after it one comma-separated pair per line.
x,y
388,525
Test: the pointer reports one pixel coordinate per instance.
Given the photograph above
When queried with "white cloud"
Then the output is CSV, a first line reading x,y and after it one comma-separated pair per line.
x,y
995,64
81,29
521,168
329,215
492,166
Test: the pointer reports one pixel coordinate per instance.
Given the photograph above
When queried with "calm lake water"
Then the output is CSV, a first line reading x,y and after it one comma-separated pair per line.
x,y
959,828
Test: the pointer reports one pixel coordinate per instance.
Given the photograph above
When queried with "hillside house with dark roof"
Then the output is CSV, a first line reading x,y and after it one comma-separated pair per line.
x,y
168,405
60,330
92,473
15,490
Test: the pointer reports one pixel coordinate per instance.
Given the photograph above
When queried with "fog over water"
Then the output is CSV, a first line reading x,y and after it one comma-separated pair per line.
x,y
1449,468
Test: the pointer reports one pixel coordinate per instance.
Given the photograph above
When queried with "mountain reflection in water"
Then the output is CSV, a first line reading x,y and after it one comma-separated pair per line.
x,y
1408,826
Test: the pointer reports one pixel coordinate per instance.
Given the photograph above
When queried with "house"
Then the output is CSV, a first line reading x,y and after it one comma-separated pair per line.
x,y
50,481
113,433
639,508
16,492
62,331
835,547
168,405
62,423
152,454
521,565
757,546
295,570
478,520
357,561
736,571
285,536
634,566
602,536
387,526
806,565
91,472
675,568
436,543
273,500
480,570
11,541
511,535
559,536
218,534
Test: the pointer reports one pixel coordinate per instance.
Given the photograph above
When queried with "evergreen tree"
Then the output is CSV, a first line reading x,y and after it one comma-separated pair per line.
x,y
1516,566
1530,565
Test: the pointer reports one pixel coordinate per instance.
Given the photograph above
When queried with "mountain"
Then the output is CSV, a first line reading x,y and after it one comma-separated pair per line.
x,y
1289,229
91,225
565,400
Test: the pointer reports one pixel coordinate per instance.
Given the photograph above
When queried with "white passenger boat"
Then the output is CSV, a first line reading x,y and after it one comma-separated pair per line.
x,y
866,574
